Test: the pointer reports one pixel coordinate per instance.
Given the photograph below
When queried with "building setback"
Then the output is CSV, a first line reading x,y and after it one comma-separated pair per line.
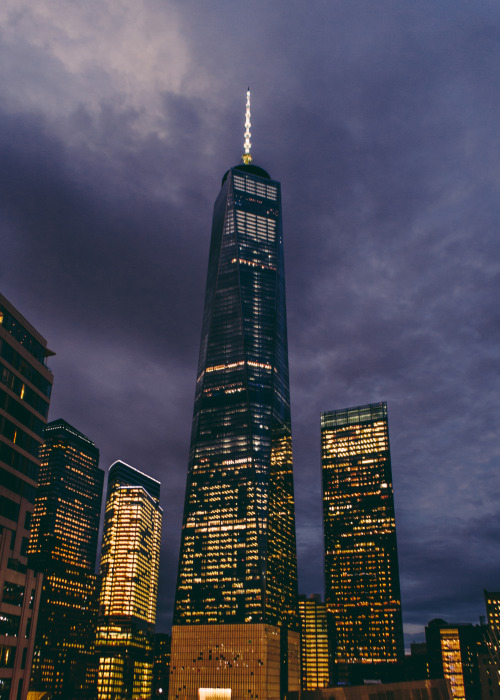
x,y
63,547
236,624
361,561
130,558
25,387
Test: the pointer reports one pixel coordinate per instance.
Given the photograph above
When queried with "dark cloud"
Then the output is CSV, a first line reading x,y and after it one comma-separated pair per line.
x,y
116,127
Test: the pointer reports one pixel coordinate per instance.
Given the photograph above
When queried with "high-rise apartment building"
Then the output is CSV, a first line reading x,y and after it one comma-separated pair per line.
x,y
130,558
63,546
361,561
25,386
314,647
236,628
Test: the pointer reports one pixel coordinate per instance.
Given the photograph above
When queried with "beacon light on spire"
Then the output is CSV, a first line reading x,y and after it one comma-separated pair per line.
x,y
247,145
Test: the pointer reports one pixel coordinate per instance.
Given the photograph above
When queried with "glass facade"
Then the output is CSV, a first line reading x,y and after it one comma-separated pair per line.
x,y
25,388
238,555
63,545
130,559
314,648
361,562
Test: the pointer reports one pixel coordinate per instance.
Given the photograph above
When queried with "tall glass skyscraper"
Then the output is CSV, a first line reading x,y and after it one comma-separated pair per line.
x,y
130,560
63,546
236,615
361,560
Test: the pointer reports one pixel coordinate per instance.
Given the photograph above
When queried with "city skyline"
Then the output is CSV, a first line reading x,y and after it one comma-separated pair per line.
x,y
381,127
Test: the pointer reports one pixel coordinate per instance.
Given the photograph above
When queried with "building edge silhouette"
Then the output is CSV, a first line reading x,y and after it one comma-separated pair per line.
x,y
25,389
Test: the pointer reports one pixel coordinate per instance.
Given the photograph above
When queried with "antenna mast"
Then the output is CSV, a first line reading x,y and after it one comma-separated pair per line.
x,y
247,144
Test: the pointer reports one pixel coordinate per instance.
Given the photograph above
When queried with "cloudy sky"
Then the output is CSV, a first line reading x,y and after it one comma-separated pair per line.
x,y
380,118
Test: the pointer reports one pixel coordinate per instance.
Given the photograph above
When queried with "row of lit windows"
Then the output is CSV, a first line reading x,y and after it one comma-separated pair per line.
x,y
252,186
254,222
359,414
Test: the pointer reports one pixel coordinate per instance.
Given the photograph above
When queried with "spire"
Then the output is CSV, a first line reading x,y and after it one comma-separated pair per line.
x,y
247,145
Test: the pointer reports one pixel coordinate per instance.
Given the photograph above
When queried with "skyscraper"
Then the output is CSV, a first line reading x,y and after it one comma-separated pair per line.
x,y
25,387
361,561
236,619
130,558
314,647
63,546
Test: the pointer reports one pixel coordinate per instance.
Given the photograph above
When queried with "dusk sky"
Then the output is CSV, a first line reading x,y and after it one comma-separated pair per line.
x,y
381,119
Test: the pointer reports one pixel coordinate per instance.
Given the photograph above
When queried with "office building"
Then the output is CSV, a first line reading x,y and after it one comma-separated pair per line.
x,y
236,626
491,667
454,653
130,558
25,387
361,561
63,546
314,648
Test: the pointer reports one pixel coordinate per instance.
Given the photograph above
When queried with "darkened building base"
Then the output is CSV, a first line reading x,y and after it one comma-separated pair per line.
x,y
360,674
413,690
